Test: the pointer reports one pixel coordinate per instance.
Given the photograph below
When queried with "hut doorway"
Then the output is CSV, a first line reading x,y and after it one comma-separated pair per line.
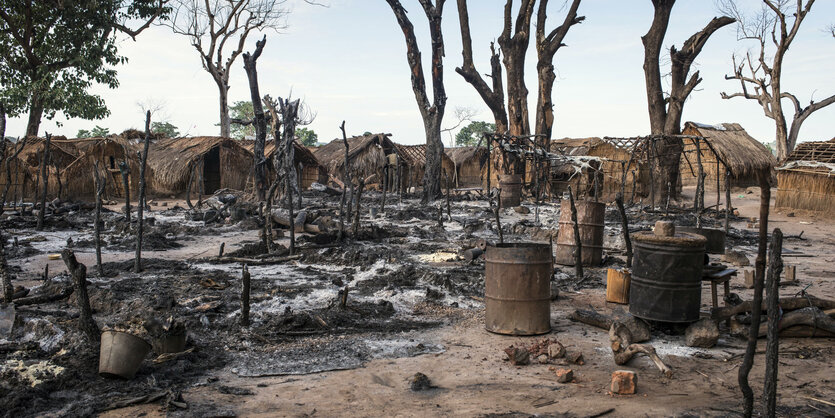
x,y
211,170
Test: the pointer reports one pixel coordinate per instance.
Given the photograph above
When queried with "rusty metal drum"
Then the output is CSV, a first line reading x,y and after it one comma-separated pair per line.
x,y
511,186
517,288
590,220
715,238
666,276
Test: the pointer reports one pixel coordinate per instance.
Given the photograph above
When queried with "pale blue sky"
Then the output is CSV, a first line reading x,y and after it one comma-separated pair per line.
x,y
348,62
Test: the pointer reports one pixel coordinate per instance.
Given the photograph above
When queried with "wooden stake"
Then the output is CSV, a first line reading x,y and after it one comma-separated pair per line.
x,y
44,180
356,225
772,348
625,226
245,289
99,183
137,264
496,212
124,170
79,276
578,255
5,275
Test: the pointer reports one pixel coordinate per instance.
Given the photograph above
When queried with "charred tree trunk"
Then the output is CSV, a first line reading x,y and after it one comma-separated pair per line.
x,y
124,170
79,277
289,111
346,176
547,46
259,161
245,289
140,213
493,96
665,110
772,348
223,105
432,113
756,313
44,181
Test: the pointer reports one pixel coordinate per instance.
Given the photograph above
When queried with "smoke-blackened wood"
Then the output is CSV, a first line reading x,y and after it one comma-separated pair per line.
x,y
78,272
772,348
786,304
496,210
5,275
756,307
259,161
623,349
625,225
100,184
7,162
356,225
346,175
578,255
44,180
140,214
245,289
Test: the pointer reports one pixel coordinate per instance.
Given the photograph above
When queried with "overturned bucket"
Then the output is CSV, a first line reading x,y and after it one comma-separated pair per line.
x,y
121,354
517,288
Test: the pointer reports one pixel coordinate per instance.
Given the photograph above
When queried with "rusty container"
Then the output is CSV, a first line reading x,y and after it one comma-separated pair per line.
x,y
617,286
666,276
715,238
121,354
511,186
517,288
590,218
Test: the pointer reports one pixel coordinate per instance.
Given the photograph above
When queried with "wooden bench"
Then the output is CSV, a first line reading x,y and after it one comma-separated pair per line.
x,y
715,278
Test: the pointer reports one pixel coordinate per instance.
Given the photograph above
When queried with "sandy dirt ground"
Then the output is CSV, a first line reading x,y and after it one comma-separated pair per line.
x,y
472,378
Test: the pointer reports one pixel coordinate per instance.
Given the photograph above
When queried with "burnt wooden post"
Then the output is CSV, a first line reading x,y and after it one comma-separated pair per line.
x,y
140,215
448,208
727,201
346,173
124,170
259,161
772,348
342,214
578,255
698,200
489,161
757,302
44,180
220,250
291,215
245,289
268,209
79,277
5,275
718,188
8,163
385,187
289,111
100,184
496,210
625,225
188,185
356,225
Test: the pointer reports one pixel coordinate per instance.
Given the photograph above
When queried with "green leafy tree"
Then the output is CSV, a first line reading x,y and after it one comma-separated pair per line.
x,y
471,134
165,128
307,137
55,50
242,110
97,132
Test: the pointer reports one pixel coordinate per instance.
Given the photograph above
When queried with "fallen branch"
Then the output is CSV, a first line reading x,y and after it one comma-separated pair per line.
x,y
639,330
35,300
810,316
623,349
254,261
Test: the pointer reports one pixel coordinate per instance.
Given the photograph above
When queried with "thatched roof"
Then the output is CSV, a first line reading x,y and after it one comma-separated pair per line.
x,y
61,152
812,157
742,154
137,135
415,155
462,155
332,155
170,159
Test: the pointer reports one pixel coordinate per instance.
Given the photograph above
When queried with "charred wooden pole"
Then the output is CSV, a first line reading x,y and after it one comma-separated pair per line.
x,y
100,184
756,312
58,180
727,201
7,161
5,275
245,289
78,272
578,255
200,185
718,189
140,214
44,180
268,216
291,215
385,188
259,161
289,112
356,225
448,207
698,199
341,233
772,348
346,174
124,170
496,211
625,225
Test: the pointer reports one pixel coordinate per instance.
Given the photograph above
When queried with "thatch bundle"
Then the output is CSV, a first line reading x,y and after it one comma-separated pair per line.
x,y
468,162
219,162
745,157
807,179
413,166
367,154
615,158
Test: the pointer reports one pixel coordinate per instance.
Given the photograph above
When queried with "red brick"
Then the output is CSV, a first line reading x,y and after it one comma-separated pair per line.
x,y
624,382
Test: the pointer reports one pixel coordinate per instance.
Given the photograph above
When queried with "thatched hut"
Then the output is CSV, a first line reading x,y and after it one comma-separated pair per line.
x,y
413,166
368,155
18,177
311,170
107,153
61,154
807,179
468,162
215,161
727,145
616,156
